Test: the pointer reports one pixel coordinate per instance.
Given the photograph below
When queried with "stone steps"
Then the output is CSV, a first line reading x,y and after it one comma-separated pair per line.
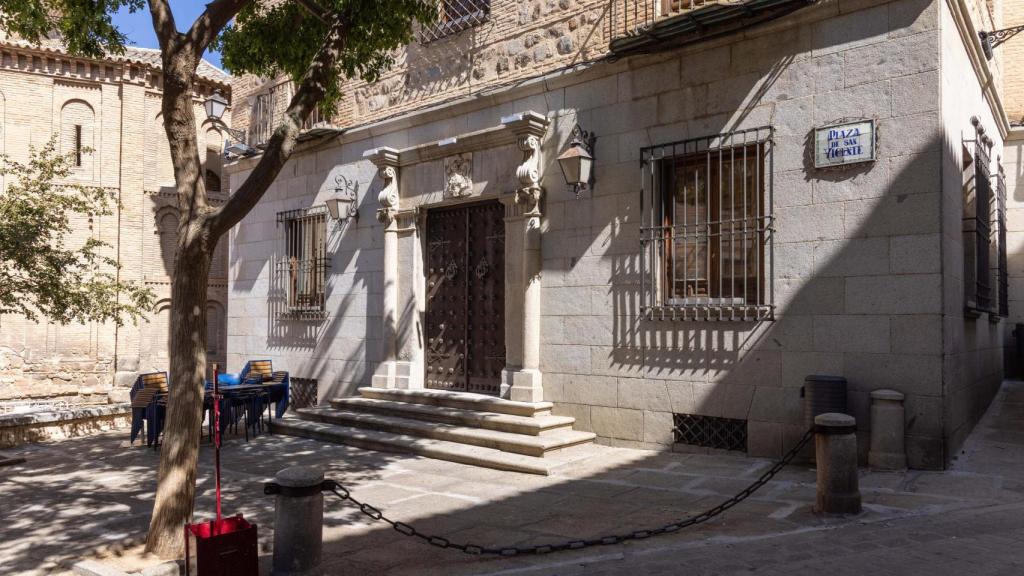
x,y
463,400
533,426
530,445
459,427
428,447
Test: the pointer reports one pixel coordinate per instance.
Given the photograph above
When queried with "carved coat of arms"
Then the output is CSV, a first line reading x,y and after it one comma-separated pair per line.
x,y
458,175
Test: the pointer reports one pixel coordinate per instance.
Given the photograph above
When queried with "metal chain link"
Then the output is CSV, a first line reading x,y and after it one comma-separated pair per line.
x,y
408,530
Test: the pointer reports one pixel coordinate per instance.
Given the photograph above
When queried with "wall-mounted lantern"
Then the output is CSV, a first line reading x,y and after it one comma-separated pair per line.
x,y
343,205
577,162
216,104
990,40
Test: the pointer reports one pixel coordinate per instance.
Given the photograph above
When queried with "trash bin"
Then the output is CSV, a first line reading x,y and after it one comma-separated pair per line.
x,y
823,394
226,547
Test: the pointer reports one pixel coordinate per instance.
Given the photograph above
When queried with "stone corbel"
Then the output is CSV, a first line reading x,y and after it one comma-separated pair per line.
x,y
529,192
386,160
529,128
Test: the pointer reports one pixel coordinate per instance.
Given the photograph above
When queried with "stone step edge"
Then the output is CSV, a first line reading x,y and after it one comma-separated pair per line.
x,y
429,448
495,439
463,400
531,425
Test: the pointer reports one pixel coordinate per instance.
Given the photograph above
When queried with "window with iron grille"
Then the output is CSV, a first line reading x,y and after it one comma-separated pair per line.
x,y
706,231
454,16
303,393
977,230
710,432
303,266
260,119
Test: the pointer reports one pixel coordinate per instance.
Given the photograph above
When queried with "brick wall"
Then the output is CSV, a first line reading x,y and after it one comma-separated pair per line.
x,y
45,92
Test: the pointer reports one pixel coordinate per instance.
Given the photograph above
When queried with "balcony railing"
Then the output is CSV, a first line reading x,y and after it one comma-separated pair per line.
x,y
637,26
268,109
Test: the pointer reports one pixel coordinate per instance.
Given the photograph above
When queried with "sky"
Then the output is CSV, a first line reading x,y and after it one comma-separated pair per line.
x,y
139,26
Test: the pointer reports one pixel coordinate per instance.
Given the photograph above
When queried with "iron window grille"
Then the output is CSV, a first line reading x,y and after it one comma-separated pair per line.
x,y
706,228
977,233
303,392
454,16
1002,272
710,432
261,119
303,266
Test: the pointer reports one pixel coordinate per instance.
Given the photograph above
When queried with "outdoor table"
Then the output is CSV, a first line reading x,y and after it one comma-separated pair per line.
x,y
155,414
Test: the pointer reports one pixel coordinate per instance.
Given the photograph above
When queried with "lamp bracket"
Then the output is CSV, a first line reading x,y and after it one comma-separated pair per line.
x,y
990,40
585,138
347,190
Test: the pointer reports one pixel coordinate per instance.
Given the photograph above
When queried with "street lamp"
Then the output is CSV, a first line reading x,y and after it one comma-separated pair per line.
x,y
577,161
343,205
989,40
216,104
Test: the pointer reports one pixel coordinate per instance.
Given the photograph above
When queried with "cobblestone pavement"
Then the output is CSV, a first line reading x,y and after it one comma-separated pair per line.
x,y
72,497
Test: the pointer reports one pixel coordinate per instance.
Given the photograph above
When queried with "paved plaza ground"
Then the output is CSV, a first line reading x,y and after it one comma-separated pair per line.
x,y
74,497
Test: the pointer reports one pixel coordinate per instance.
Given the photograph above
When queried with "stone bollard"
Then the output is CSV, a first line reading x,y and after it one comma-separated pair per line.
x,y
298,521
835,447
887,444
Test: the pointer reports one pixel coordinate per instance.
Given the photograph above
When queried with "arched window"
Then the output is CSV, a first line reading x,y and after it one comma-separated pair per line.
x,y
212,181
167,227
214,160
77,133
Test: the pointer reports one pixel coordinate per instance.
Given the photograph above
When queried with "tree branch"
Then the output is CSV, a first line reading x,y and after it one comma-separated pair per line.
x,y
314,9
309,93
163,23
206,27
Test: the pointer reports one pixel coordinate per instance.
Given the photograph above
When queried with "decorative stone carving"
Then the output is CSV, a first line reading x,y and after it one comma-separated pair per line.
x,y
458,175
388,196
386,160
528,173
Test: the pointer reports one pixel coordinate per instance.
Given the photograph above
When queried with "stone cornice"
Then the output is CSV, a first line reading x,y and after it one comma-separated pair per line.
x,y
18,56
509,132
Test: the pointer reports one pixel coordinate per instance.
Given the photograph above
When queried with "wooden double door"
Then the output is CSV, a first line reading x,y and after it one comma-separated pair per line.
x,y
465,316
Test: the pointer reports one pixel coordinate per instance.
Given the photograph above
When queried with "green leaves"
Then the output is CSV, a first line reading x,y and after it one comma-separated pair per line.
x,y
285,38
51,263
84,25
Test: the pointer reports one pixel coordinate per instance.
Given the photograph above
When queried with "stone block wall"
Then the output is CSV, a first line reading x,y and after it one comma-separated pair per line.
x,y
867,282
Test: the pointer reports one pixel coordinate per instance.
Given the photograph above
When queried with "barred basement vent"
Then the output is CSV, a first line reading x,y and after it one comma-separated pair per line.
x,y
710,432
303,393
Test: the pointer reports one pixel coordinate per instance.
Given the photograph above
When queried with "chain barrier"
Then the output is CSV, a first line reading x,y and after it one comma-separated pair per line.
x,y
440,542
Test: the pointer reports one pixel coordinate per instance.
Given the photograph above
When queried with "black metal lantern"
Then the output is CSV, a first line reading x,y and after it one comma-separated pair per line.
x,y
215,106
577,162
343,205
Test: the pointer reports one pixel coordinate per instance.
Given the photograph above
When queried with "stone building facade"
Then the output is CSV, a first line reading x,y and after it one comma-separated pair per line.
x,y
888,271
113,107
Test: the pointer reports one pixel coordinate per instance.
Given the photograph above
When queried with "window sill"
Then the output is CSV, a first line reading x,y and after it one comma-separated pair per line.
x,y
709,311
302,313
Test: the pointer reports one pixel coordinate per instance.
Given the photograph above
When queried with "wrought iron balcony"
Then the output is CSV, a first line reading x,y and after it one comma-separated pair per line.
x,y
268,109
638,26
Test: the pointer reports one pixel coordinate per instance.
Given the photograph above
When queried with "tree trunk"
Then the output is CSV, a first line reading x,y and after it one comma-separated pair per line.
x,y
187,343
182,429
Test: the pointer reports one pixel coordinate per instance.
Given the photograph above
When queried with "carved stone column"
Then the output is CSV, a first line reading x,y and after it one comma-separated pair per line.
x,y
388,373
521,379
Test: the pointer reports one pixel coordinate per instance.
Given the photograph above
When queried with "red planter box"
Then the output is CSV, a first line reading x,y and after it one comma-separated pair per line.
x,y
221,548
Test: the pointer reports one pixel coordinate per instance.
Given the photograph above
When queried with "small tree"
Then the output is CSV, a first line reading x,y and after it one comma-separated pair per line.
x,y
45,271
318,43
